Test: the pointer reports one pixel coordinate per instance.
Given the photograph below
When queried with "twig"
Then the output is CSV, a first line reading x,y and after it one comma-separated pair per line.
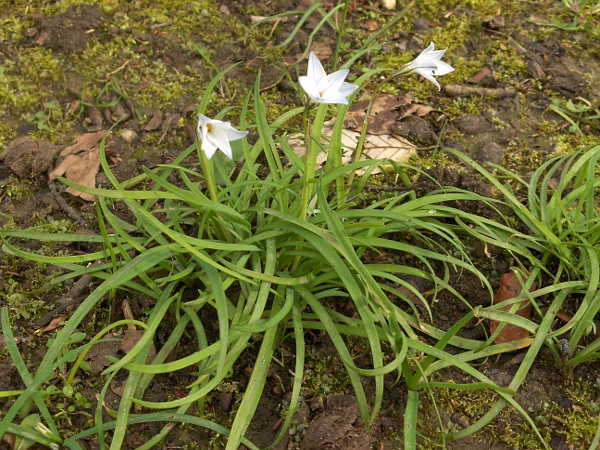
x,y
57,311
161,25
118,69
64,205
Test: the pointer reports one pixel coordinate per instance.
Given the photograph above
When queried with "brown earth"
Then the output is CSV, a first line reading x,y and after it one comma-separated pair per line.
x,y
498,119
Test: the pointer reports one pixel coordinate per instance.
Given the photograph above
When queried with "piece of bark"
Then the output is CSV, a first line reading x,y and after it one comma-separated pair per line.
x,y
510,287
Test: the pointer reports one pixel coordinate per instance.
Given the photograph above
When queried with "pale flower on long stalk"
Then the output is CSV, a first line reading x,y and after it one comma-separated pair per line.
x,y
322,89
215,135
428,64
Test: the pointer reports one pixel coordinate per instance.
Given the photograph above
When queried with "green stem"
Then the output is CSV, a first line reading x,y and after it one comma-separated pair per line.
x,y
363,133
340,35
207,168
310,160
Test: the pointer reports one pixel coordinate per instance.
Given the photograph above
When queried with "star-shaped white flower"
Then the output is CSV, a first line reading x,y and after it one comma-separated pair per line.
x,y
323,88
429,64
216,134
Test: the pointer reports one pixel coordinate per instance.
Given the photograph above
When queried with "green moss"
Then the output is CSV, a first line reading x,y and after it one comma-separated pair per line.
x,y
26,81
19,189
509,65
519,158
459,106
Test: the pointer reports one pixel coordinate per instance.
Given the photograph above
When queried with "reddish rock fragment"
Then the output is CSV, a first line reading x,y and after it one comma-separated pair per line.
x,y
510,287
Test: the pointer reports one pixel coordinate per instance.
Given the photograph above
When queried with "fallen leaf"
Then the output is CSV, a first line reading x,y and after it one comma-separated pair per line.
x,y
323,49
97,356
477,78
154,123
42,38
383,113
54,324
510,287
81,163
80,169
417,109
83,142
371,24
118,386
379,147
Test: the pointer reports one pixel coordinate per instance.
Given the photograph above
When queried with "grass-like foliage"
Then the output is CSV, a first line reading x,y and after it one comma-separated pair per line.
x,y
270,249
261,269
557,234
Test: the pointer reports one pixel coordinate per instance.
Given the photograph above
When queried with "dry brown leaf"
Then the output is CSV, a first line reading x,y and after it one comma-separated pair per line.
x,y
510,287
485,71
118,386
383,114
130,339
81,164
80,169
323,49
380,147
85,142
371,25
154,123
97,356
54,324
418,109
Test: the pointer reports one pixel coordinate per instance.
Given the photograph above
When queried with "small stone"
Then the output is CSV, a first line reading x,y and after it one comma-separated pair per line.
x,y
225,400
421,24
491,152
128,135
316,404
472,124
495,23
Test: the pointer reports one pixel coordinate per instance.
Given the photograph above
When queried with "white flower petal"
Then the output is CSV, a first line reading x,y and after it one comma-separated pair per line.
x,y
315,68
216,134
209,148
429,65
323,88
348,89
309,87
443,68
234,135
428,76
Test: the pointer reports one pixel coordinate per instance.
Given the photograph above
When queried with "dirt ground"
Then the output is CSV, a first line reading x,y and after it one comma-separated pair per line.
x,y
73,68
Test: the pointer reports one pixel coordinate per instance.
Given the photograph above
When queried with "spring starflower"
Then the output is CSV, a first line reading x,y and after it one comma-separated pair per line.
x,y
216,134
323,88
429,64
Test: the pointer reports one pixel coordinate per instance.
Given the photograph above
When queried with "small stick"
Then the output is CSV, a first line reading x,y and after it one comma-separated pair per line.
x,y
44,321
65,206
161,25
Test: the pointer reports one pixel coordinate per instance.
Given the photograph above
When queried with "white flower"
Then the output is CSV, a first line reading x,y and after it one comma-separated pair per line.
x,y
323,88
216,134
429,64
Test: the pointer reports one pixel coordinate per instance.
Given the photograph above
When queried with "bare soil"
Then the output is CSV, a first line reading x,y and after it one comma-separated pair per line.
x,y
493,111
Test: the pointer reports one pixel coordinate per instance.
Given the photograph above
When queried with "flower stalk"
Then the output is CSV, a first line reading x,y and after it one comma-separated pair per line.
x,y
313,146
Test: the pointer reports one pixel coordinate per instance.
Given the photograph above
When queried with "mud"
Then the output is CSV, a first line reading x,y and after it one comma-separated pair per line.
x,y
504,121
